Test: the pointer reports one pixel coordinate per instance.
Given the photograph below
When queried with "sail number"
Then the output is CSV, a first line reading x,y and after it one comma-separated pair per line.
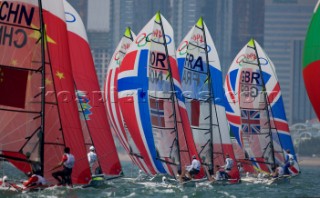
x,y
250,81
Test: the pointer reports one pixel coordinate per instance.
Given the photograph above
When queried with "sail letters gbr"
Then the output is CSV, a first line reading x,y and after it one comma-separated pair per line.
x,y
251,95
20,16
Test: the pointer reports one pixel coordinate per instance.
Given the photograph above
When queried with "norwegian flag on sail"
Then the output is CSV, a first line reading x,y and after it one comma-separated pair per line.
x,y
250,121
157,112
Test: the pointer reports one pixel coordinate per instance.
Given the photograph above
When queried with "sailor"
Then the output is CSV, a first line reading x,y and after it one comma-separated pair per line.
x,y
240,168
67,162
34,180
5,181
221,173
92,158
229,163
278,172
191,170
288,163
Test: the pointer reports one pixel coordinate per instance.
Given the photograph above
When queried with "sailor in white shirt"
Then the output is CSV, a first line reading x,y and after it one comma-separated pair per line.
x,y
192,169
92,158
229,163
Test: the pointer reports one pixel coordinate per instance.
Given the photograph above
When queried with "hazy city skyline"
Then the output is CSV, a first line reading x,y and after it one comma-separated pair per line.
x,y
278,25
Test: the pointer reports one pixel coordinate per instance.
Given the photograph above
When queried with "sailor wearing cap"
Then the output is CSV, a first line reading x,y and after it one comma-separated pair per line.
x,y
92,158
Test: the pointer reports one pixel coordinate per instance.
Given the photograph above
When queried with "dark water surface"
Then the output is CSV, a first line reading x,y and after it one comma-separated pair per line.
x,y
306,184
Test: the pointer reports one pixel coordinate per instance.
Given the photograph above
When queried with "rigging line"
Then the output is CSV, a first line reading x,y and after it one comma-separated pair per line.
x,y
211,95
250,84
192,70
19,111
171,147
166,161
202,129
19,68
54,143
35,61
163,98
266,99
203,147
136,155
17,159
265,149
172,86
275,128
196,46
157,68
165,128
21,26
249,63
157,42
29,138
248,109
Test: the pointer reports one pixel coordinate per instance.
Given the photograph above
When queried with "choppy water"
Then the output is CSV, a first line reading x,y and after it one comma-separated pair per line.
x,y
306,184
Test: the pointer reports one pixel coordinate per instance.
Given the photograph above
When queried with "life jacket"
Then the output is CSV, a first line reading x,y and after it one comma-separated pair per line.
x,y
40,180
229,164
70,161
196,164
92,157
280,171
291,159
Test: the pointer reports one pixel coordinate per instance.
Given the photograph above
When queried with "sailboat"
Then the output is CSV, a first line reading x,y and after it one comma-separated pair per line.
x,y
256,111
112,104
311,60
40,118
201,76
94,120
154,114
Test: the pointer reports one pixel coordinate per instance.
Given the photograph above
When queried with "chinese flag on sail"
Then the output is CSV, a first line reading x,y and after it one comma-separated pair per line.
x,y
13,85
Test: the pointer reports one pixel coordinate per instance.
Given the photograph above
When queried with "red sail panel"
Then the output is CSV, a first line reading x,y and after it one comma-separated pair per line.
x,y
87,85
58,49
22,164
13,86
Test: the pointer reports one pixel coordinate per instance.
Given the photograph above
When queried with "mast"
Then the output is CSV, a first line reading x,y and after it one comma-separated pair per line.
x,y
171,84
210,91
267,103
43,88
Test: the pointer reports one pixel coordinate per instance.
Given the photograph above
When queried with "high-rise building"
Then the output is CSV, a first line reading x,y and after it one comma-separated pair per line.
x,y
219,21
216,15
247,23
285,27
301,107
